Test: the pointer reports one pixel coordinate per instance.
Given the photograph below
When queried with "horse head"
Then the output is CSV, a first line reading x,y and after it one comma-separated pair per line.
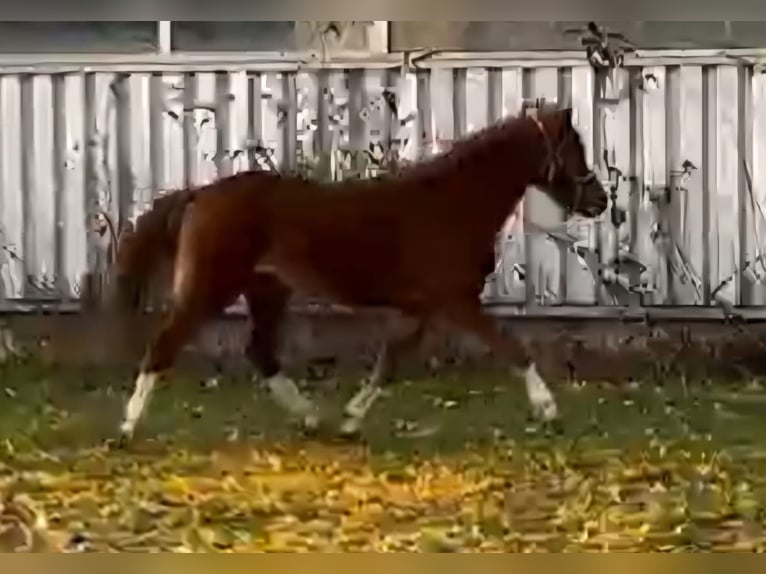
x,y
566,176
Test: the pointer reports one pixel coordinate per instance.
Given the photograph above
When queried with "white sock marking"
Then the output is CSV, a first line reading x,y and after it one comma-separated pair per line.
x,y
362,401
540,396
288,395
351,425
357,408
138,401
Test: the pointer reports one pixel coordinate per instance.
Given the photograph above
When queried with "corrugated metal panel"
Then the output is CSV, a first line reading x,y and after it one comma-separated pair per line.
x,y
687,139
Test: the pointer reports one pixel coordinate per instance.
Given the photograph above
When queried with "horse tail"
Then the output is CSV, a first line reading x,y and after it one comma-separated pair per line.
x,y
143,248
110,228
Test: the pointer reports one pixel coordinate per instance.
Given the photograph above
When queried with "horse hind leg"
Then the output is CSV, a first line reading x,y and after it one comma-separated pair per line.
x,y
267,298
200,290
175,332
391,351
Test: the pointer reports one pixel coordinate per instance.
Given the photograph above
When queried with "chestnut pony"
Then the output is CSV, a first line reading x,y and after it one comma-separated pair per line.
x,y
416,242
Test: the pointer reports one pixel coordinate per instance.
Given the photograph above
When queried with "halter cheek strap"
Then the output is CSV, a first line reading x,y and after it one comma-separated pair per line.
x,y
551,159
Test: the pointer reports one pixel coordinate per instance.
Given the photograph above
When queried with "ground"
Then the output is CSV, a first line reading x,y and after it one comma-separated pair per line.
x,y
449,464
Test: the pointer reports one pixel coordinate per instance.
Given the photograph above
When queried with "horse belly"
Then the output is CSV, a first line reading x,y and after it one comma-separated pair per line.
x,y
354,287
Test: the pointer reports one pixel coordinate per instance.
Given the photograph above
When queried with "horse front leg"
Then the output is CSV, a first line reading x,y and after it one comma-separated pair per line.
x,y
267,299
159,357
391,351
468,315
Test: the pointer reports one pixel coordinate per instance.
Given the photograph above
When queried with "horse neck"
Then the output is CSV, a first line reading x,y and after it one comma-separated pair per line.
x,y
493,172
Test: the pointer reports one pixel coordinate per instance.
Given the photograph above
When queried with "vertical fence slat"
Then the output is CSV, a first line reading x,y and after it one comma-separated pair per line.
x,y
190,135
655,170
459,102
223,146
255,118
564,100
272,116
617,142
709,182
7,262
758,170
42,190
390,101
494,95
290,129
580,282
28,180
377,117
407,115
726,190
423,131
601,119
527,93
510,249
59,184
639,210
322,148
92,180
495,104
205,124
74,182
691,218
108,138
125,185
44,196
340,125
139,140
442,108
542,256
670,214
747,271
477,92
170,90
308,103
358,113
157,133
239,118
12,212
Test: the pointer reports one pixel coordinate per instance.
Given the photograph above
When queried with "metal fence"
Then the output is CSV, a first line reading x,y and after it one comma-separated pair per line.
x,y
676,135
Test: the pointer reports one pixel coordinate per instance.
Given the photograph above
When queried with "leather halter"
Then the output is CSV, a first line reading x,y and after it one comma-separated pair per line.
x,y
553,162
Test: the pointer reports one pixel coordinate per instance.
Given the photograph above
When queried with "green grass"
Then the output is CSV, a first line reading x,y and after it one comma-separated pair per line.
x,y
632,467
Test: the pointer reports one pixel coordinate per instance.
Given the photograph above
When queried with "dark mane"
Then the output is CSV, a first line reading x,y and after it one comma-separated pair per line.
x,y
468,150
476,151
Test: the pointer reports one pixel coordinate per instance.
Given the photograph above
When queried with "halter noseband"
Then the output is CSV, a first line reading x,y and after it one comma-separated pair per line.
x,y
553,161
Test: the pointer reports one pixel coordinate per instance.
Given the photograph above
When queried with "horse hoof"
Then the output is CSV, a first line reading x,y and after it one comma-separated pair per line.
x,y
350,429
555,427
123,441
308,432
310,426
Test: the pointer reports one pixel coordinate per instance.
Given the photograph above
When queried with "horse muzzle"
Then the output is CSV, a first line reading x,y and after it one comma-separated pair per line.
x,y
592,210
592,198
